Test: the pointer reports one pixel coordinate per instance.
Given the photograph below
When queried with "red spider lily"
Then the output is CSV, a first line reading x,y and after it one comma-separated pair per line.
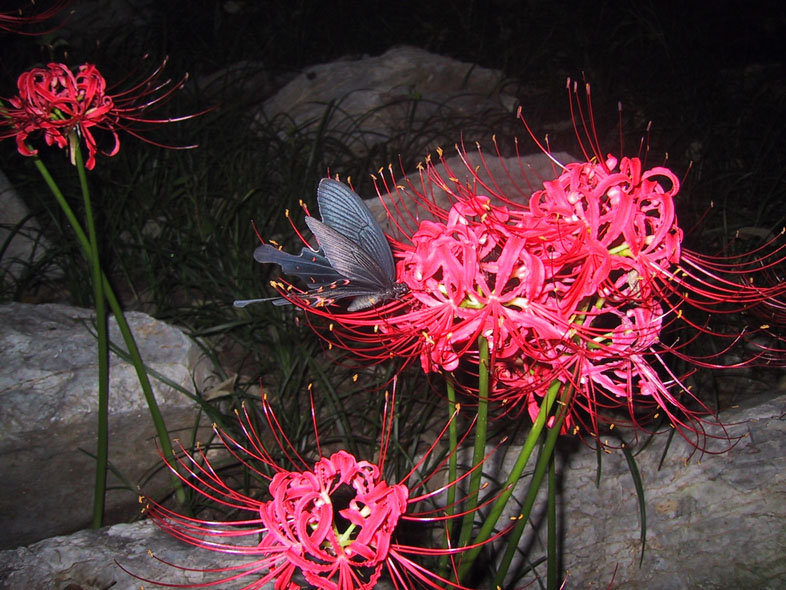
x,y
68,106
335,521
586,283
16,21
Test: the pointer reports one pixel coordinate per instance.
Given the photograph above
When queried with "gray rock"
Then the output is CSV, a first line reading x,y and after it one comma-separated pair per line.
x,y
714,521
48,405
513,178
88,560
376,98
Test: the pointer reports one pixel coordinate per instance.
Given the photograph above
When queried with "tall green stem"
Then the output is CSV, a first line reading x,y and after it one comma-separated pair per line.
x,y
99,301
544,458
125,330
553,557
490,522
450,499
479,452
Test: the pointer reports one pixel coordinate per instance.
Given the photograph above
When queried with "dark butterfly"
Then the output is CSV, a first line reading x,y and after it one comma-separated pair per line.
x,y
353,260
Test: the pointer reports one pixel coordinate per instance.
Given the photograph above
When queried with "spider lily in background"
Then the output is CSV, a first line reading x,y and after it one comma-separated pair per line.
x,y
67,107
336,521
16,21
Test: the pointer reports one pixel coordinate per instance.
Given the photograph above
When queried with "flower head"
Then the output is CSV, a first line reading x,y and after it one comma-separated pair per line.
x,y
336,521
68,107
586,282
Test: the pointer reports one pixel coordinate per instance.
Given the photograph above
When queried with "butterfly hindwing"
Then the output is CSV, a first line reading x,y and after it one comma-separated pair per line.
x,y
310,266
348,258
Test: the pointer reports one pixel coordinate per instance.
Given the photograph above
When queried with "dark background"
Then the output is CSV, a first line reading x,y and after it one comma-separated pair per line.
x,y
708,75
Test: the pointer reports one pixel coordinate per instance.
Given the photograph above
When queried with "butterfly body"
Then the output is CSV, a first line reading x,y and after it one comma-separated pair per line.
x,y
353,260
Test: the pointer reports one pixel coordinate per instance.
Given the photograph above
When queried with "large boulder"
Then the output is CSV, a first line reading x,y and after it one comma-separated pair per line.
x,y
48,409
91,560
373,99
715,520
512,178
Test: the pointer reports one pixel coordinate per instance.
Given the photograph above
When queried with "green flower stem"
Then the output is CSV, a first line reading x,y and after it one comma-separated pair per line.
x,y
125,331
452,470
479,452
510,485
545,457
94,258
551,543
453,441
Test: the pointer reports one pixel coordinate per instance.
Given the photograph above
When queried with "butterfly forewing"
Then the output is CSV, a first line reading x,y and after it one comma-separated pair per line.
x,y
344,211
348,258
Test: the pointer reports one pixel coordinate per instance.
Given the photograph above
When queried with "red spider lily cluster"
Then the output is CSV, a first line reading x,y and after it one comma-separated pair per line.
x,y
563,288
67,107
18,21
335,521
586,284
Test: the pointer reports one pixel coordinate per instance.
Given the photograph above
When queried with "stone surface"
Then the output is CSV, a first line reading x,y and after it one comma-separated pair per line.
x,y
48,402
714,521
372,99
514,178
88,560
